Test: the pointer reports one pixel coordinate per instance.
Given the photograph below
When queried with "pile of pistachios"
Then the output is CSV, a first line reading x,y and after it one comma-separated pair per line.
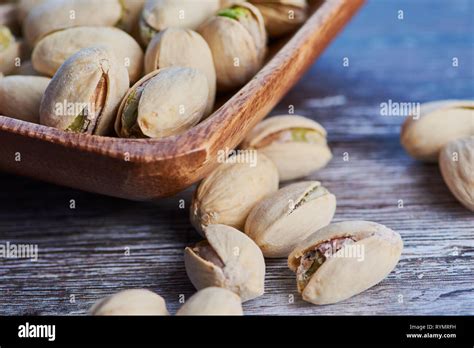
x,y
132,68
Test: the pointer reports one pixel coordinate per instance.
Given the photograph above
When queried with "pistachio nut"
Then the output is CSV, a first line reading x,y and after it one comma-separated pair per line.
x,y
212,301
84,94
344,259
237,39
165,102
131,302
229,193
131,12
53,50
456,161
282,16
227,259
438,123
285,218
25,6
20,96
158,15
297,145
10,50
54,15
185,48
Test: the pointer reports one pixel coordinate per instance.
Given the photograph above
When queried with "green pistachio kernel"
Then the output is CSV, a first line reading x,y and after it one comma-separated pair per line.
x,y
80,123
6,38
235,12
304,135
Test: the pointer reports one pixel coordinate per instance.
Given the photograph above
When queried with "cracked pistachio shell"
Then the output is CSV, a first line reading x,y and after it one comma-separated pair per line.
x,y
282,16
296,144
228,259
166,102
54,49
161,14
285,218
185,48
10,49
84,94
237,39
55,15
456,161
25,6
345,273
229,193
20,96
212,301
131,302
439,123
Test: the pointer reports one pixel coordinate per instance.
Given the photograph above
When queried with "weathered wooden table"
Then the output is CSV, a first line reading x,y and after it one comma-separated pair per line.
x,y
105,245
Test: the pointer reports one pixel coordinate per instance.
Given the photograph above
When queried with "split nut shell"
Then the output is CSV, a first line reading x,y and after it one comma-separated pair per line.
x,y
131,302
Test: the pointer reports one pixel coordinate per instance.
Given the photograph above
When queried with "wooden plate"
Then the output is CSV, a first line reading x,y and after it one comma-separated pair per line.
x,y
145,169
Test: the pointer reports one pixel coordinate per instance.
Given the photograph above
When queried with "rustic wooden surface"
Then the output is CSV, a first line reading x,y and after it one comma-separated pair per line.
x,y
83,251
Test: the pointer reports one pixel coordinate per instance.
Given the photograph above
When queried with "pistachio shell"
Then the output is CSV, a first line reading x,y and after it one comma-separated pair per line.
x,y
131,13
285,218
456,161
282,16
185,48
228,194
165,102
54,49
237,39
85,93
342,274
131,302
20,96
439,123
25,6
297,145
10,50
55,15
161,14
229,259
212,301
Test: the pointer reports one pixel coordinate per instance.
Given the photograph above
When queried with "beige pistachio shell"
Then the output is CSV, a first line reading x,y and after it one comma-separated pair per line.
x,y
229,193
25,6
439,123
185,48
353,268
165,102
283,16
237,39
85,93
240,266
212,301
10,51
53,50
456,161
55,15
131,13
301,149
285,218
131,302
161,14
20,96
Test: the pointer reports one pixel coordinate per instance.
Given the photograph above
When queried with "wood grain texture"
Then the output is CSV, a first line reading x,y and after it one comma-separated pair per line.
x,y
82,250
142,169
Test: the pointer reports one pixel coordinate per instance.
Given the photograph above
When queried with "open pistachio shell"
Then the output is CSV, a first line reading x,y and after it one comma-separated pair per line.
x,y
229,193
285,218
344,259
161,14
165,102
282,16
54,15
10,50
296,144
85,93
456,161
20,96
228,259
185,48
131,302
212,301
53,50
237,39
439,123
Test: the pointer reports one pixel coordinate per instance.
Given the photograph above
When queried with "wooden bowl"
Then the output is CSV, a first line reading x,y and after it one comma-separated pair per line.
x,y
145,169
